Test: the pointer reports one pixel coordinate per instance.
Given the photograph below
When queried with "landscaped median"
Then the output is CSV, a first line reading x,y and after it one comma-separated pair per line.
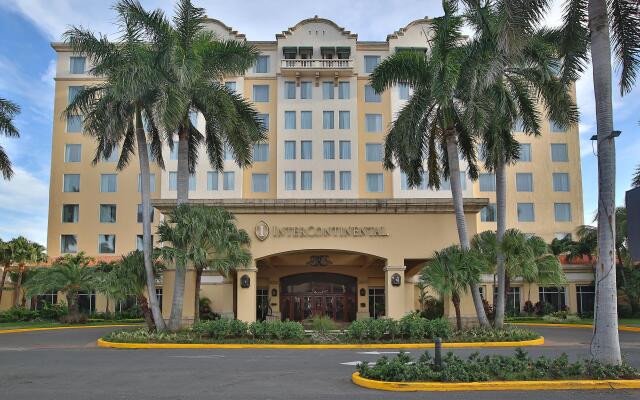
x,y
622,328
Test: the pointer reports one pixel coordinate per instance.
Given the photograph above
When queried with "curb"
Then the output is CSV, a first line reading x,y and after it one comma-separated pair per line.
x,y
623,328
103,343
58,328
495,385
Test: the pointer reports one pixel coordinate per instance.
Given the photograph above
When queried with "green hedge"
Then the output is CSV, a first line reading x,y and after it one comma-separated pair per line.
x,y
235,329
409,327
48,312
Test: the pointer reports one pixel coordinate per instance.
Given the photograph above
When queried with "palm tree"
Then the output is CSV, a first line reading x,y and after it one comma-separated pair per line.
x,y
451,272
601,25
117,110
8,111
70,274
20,251
194,63
105,284
434,124
206,238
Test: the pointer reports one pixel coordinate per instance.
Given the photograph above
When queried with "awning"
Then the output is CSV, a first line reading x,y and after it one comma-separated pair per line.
x,y
302,49
289,50
416,49
327,49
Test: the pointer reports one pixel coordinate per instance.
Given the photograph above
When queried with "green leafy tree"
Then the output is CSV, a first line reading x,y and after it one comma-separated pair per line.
x,y
24,253
636,178
8,112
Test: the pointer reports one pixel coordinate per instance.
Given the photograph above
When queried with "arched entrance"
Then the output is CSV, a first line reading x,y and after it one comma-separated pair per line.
x,y
314,294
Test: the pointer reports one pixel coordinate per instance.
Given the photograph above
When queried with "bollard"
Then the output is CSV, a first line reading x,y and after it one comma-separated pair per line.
x,y
438,353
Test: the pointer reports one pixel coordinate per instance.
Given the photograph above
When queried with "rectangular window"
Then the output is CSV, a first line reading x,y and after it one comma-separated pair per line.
x,y
212,180
262,64
345,150
327,90
261,152
560,182
289,90
264,119
586,295
228,154
345,180
446,184
108,213
261,93
173,181
329,180
562,212
68,244
373,122
404,181
72,153
554,296
329,149
344,119
375,183
556,128
559,152
403,91
74,123
192,182
231,85
562,235
305,90
513,299
370,63
139,216
327,120
71,183
306,150
524,182
173,153
289,180
108,183
228,180
77,65
70,213
73,92
107,244
193,118
525,212
306,182
488,213
519,125
113,157
487,182
140,244
306,120
344,90
370,95
289,120
376,302
373,152
260,183
152,183
289,150
525,152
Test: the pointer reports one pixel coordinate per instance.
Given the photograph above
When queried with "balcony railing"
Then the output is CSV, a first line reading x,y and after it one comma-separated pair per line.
x,y
317,63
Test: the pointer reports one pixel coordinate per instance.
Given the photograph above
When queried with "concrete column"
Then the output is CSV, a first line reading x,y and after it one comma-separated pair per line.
x,y
363,301
226,301
246,297
274,302
571,298
394,295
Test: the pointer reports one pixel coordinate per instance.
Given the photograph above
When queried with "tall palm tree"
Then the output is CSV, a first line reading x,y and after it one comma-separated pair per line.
x,y
119,110
194,63
451,272
8,111
434,124
22,251
604,25
205,237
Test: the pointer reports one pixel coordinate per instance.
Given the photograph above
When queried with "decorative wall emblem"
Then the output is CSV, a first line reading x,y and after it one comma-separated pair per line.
x,y
396,279
262,231
245,281
319,261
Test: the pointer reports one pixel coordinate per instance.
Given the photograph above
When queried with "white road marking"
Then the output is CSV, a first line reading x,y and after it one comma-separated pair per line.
x,y
380,352
207,356
351,363
13,349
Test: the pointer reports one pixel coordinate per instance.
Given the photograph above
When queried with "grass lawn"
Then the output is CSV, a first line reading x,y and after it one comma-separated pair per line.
x,y
50,324
588,321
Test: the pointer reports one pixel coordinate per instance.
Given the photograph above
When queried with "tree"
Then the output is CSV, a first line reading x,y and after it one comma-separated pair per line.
x,y
117,110
8,112
206,238
636,178
70,274
451,272
434,124
194,63
603,25
19,251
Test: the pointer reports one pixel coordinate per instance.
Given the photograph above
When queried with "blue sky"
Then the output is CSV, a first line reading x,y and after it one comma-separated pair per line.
x,y
27,65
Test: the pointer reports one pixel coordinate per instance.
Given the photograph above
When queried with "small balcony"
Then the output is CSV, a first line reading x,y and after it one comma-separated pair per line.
x,y
316,64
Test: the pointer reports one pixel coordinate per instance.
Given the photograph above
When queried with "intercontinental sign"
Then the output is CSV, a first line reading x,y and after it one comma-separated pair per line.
x,y
263,231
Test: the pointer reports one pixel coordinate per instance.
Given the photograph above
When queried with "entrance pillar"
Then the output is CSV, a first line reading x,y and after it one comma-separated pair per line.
x,y
394,291
246,293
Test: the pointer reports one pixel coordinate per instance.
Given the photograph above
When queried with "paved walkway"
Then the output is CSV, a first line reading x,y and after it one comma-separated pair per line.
x,y
67,365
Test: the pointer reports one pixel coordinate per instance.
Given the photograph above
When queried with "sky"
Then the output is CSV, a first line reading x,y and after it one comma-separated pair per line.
x,y
27,67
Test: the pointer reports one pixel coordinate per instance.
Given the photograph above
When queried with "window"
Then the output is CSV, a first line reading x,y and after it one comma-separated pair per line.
x,y
305,150
173,152
370,63
70,213
262,64
488,213
556,128
344,89
260,183
140,244
327,120
512,305
562,235
231,85
228,154
159,293
264,118
562,212
77,65
525,152
289,90
87,302
404,181
345,150
519,125
559,152
370,95
73,92
173,181
305,90
306,120
152,183
49,298
327,90
344,119
74,123
106,244
107,213
289,150
329,149
446,184
329,180
108,183
289,120
487,182
113,157
261,152
403,91
345,180
376,302
560,182
72,152
261,93
525,212
306,182
140,213
373,122
586,295
554,296
192,182
289,180
375,183
373,152
228,180
71,183
193,118
212,180
524,182
68,244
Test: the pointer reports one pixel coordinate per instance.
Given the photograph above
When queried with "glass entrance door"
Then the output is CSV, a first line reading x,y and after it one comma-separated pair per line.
x,y
311,295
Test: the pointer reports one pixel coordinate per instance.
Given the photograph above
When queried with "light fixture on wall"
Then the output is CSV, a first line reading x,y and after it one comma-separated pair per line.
x,y
245,281
396,279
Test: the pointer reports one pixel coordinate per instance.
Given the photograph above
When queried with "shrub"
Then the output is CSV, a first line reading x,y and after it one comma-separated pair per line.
x,y
432,308
53,312
223,328
410,327
323,324
18,314
529,308
73,319
560,317
482,334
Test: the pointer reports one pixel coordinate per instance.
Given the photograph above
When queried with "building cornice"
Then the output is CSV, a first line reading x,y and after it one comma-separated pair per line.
x,y
342,30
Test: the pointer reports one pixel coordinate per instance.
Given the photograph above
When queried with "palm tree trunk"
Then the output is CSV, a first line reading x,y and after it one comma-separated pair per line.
x,y
458,206
196,315
145,189
605,344
455,298
146,312
501,211
16,287
5,271
72,303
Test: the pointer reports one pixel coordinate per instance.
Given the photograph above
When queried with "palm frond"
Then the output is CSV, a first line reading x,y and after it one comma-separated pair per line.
x,y
625,30
574,40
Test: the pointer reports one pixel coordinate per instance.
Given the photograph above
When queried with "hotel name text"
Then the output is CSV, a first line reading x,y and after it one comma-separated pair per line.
x,y
329,231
